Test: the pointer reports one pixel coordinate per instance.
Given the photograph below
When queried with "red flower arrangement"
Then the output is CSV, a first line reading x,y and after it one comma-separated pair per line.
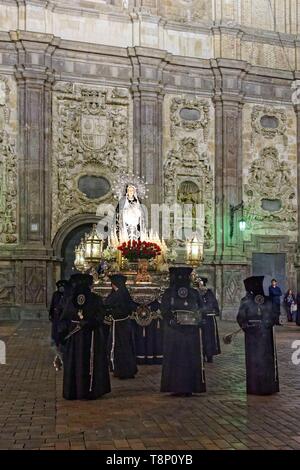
x,y
133,250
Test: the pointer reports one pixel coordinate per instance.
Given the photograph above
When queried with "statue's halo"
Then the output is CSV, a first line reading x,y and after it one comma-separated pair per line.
x,y
129,179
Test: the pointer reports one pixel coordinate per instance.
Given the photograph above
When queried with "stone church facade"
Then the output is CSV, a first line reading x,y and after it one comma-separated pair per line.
x,y
198,91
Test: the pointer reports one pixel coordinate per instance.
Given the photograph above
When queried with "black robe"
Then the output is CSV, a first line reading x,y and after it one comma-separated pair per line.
x,y
149,339
86,372
121,348
55,312
260,348
210,334
183,368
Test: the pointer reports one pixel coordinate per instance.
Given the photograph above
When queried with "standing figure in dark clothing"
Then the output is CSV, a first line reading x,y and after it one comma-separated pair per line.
x,y
275,294
256,317
210,334
86,372
297,319
56,310
183,368
121,342
148,337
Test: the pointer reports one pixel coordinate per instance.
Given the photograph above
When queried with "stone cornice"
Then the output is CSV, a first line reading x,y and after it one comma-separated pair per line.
x,y
52,47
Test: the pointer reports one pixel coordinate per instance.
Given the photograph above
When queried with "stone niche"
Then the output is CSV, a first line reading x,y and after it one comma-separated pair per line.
x,y
92,145
188,143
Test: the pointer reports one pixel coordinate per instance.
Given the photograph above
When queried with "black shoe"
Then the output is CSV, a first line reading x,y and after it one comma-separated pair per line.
x,y
209,359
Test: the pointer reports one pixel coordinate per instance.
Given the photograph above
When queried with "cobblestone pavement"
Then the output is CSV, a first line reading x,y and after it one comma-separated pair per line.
x,y
135,415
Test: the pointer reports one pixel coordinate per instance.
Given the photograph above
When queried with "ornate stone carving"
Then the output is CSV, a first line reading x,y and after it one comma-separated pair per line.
x,y
271,178
91,134
278,115
200,107
4,110
186,163
8,171
35,281
233,287
185,10
7,286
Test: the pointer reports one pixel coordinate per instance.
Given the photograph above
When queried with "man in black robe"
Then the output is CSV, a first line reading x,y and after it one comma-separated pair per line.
x,y
211,341
86,373
149,337
183,368
121,341
56,310
257,318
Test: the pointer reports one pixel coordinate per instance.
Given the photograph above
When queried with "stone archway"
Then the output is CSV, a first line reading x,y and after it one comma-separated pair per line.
x,y
67,237
68,249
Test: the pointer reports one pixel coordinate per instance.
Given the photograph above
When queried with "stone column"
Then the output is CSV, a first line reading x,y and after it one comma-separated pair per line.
x,y
228,155
34,254
35,138
228,179
148,97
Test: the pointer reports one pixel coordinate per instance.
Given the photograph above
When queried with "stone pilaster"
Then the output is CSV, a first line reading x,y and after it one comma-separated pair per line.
x,y
296,101
148,96
34,252
35,139
228,179
228,155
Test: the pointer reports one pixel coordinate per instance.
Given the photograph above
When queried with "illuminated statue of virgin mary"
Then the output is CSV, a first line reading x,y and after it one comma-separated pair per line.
x,y
129,221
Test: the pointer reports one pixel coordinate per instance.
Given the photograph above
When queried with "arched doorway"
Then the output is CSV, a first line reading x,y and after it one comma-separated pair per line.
x,y
68,249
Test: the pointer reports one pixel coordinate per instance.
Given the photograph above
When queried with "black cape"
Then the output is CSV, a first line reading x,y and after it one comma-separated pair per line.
x,y
86,372
55,312
183,369
121,348
260,348
211,341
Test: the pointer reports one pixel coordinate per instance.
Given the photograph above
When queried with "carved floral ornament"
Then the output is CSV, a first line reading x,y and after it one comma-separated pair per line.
x,y
8,172
270,178
90,138
189,115
185,163
269,122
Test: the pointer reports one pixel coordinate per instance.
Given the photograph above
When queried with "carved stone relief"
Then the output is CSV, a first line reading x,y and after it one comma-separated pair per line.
x,y
91,137
7,286
8,170
270,178
233,287
179,120
185,10
186,163
35,281
275,127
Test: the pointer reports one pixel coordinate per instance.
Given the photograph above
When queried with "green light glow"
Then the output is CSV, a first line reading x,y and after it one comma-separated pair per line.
x,y
242,225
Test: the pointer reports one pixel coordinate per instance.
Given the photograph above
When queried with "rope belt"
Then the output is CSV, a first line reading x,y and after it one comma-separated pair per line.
x,y
112,352
274,354
92,362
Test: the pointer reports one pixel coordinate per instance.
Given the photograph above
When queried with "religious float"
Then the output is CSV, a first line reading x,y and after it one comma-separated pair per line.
x,y
124,244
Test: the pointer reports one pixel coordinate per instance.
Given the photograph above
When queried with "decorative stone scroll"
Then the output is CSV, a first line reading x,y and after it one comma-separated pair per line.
x,y
91,137
198,119
8,171
271,178
275,127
